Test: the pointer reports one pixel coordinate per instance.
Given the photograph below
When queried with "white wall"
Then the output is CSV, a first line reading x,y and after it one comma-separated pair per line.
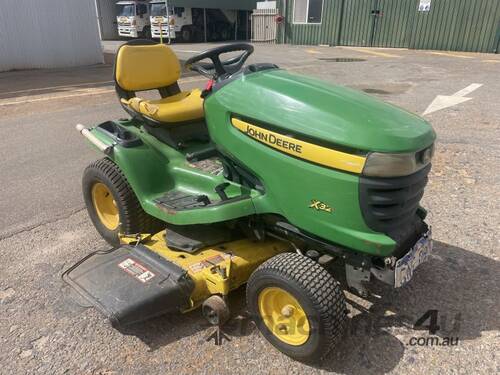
x,y
48,34
109,26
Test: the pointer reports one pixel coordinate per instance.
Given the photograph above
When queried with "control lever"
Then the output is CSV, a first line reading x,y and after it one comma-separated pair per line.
x,y
220,190
203,199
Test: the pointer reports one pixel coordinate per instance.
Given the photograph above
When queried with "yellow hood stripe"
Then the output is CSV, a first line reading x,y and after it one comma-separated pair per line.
x,y
302,150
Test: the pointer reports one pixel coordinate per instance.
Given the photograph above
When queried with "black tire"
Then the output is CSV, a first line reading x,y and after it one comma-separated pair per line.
x,y
132,217
186,34
146,33
317,292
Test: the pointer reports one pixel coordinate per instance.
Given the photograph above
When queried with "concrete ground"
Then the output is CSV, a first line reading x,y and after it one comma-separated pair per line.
x,y
44,229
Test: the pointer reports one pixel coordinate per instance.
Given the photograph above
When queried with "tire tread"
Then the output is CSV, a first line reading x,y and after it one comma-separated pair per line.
x,y
135,219
319,285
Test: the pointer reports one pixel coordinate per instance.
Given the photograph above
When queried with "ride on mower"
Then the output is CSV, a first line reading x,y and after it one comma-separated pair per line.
x,y
264,178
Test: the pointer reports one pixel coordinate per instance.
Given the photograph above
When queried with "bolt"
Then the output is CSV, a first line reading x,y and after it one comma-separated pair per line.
x,y
282,328
287,311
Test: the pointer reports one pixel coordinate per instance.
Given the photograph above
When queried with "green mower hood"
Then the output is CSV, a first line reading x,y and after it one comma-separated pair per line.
x,y
325,112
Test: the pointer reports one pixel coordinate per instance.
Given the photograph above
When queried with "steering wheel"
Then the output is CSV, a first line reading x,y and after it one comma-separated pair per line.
x,y
218,68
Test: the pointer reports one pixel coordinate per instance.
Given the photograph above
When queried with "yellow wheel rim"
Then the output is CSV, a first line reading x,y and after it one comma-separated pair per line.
x,y
284,316
105,206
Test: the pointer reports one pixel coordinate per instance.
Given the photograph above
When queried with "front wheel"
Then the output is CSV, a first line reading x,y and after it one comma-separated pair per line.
x,y
297,305
112,204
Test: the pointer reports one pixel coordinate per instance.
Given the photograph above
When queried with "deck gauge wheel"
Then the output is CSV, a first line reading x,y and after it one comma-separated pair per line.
x,y
215,310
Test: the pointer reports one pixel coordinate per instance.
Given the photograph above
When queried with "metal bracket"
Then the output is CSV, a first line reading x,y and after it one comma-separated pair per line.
x,y
386,275
355,277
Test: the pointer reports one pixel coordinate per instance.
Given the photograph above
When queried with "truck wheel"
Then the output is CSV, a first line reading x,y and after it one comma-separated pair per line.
x,y
186,34
298,306
112,204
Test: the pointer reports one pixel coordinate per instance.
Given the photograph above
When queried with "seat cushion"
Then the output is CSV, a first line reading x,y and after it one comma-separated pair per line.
x,y
182,107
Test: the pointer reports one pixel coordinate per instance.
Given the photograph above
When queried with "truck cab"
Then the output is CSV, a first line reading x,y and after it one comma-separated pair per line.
x,y
177,24
133,19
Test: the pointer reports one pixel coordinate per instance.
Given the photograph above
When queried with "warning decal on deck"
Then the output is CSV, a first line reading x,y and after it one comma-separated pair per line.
x,y
137,270
208,262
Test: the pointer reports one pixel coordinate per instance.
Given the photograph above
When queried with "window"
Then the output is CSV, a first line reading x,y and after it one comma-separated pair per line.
x,y
127,11
178,11
158,9
307,11
142,9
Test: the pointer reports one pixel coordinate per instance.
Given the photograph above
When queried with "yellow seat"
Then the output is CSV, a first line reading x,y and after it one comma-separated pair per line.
x,y
155,67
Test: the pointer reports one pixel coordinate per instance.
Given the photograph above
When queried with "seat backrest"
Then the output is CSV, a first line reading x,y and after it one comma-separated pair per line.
x,y
146,67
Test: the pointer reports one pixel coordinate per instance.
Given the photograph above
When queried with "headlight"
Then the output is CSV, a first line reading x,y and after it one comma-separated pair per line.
x,y
395,165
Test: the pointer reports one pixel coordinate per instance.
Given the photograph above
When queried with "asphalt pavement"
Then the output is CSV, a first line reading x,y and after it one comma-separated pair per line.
x,y
44,228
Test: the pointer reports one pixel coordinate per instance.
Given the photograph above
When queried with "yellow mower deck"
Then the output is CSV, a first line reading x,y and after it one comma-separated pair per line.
x,y
218,269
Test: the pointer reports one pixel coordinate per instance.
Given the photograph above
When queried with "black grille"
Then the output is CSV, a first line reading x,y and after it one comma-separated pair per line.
x,y
390,204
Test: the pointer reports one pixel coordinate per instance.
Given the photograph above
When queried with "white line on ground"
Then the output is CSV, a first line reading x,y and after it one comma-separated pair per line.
x,y
97,91
56,87
313,51
46,98
77,93
450,54
373,52
445,101
468,89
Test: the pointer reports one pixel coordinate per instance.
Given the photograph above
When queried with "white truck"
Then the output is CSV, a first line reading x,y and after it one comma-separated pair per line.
x,y
187,24
133,19
177,24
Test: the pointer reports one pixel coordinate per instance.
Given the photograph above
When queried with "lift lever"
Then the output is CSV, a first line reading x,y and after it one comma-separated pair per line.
x,y
220,190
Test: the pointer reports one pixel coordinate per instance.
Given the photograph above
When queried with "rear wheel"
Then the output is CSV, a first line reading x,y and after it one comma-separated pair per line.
x,y
298,306
112,204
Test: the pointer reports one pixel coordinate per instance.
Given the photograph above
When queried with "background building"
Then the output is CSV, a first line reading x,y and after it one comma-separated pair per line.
x,y
107,12
461,25
57,33
48,34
